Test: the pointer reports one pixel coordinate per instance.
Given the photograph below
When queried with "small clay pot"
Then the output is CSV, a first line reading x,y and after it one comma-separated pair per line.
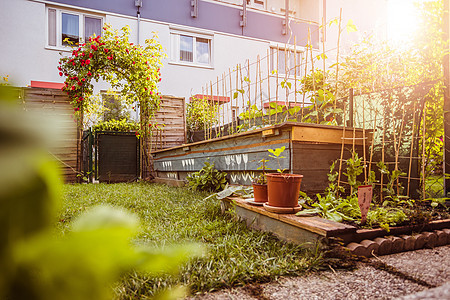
x,y
283,189
260,192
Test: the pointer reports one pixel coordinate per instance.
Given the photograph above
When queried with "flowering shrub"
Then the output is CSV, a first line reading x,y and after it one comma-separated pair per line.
x,y
134,70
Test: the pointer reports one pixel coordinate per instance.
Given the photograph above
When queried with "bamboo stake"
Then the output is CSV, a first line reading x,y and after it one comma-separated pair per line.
x,y
382,157
242,88
295,75
306,70
231,101
256,84
364,141
411,150
372,143
224,104
276,91
286,73
204,123
313,74
214,108
237,84
218,106
249,92
337,61
260,89
323,51
397,148
268,83
423,155
342,149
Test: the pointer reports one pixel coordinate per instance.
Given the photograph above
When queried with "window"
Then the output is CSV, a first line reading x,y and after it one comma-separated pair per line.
x,y
257,3
278,62
66,28
193,49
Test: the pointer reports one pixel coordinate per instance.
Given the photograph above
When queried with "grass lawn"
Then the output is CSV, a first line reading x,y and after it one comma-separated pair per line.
x,y
169,215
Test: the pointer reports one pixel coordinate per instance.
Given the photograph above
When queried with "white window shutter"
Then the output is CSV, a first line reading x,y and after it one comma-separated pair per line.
x,y
52,27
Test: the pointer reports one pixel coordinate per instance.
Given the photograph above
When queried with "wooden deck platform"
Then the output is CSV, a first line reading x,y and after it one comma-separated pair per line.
x,y
311,231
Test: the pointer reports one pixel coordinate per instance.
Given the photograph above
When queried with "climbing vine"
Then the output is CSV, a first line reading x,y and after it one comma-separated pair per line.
x,y
131,70
134,70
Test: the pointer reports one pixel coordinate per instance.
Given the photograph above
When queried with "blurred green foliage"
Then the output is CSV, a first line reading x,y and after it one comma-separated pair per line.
x,y
84,263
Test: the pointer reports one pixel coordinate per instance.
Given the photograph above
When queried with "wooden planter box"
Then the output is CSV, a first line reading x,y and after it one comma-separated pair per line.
x,y
311,231
310,150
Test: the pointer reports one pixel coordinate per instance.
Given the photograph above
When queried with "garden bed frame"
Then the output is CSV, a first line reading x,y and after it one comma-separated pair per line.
x,y
312,232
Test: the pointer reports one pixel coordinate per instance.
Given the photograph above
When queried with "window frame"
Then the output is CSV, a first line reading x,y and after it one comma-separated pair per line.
x,y
175,37
299,52
58,24
261,4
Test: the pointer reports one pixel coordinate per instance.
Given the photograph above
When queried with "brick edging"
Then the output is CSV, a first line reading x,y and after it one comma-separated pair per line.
x,y
395,244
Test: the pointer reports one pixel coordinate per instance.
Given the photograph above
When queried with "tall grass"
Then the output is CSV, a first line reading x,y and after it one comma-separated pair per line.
x,y
236,255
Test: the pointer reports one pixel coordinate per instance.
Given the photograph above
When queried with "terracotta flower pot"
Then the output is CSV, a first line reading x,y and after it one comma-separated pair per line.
x,y
283,189
260,192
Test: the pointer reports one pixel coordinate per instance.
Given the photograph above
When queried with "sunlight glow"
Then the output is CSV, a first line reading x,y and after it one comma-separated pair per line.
x,y
402,20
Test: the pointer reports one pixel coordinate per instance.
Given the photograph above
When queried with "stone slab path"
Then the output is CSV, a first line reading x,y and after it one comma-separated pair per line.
x,y
420,274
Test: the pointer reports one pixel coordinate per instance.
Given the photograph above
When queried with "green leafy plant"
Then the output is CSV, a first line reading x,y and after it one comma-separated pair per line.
x,y
277,154
261,178
116,125
334,206
393,188
328,207
288,114
386,217
97,249
201,113
207,179
251,113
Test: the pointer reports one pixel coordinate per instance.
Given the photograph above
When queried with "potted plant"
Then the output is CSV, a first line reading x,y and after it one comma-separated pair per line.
x,y
259,184
283,189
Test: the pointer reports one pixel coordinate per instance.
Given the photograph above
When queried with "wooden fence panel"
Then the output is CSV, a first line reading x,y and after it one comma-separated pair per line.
x,y
55,102
172,115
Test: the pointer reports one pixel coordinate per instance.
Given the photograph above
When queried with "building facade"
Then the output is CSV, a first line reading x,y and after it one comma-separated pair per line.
x,y
201,38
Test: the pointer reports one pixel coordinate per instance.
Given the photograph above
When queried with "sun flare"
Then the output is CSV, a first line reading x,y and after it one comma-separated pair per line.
x,y
402,20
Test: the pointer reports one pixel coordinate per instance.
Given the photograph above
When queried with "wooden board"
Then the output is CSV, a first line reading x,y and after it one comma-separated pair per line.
x,y
332,135
238,156
317,225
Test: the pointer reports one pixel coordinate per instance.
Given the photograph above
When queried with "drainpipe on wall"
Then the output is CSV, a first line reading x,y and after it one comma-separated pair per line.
x,y
285,22
138,4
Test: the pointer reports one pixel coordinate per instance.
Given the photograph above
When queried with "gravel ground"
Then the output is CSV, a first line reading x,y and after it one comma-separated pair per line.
x,y
431,266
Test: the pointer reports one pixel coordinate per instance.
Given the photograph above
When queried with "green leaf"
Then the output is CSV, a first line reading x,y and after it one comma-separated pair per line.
x,y
351,27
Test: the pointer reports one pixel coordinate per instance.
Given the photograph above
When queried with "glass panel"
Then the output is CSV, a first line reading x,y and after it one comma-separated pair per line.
x,y
203,51
52,27
273,60
70,29
186,48
299,64
259,3
281,62
92,26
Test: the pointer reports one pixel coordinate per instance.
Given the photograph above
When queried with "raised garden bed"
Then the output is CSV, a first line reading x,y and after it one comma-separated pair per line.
x,y
310,150
311,231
